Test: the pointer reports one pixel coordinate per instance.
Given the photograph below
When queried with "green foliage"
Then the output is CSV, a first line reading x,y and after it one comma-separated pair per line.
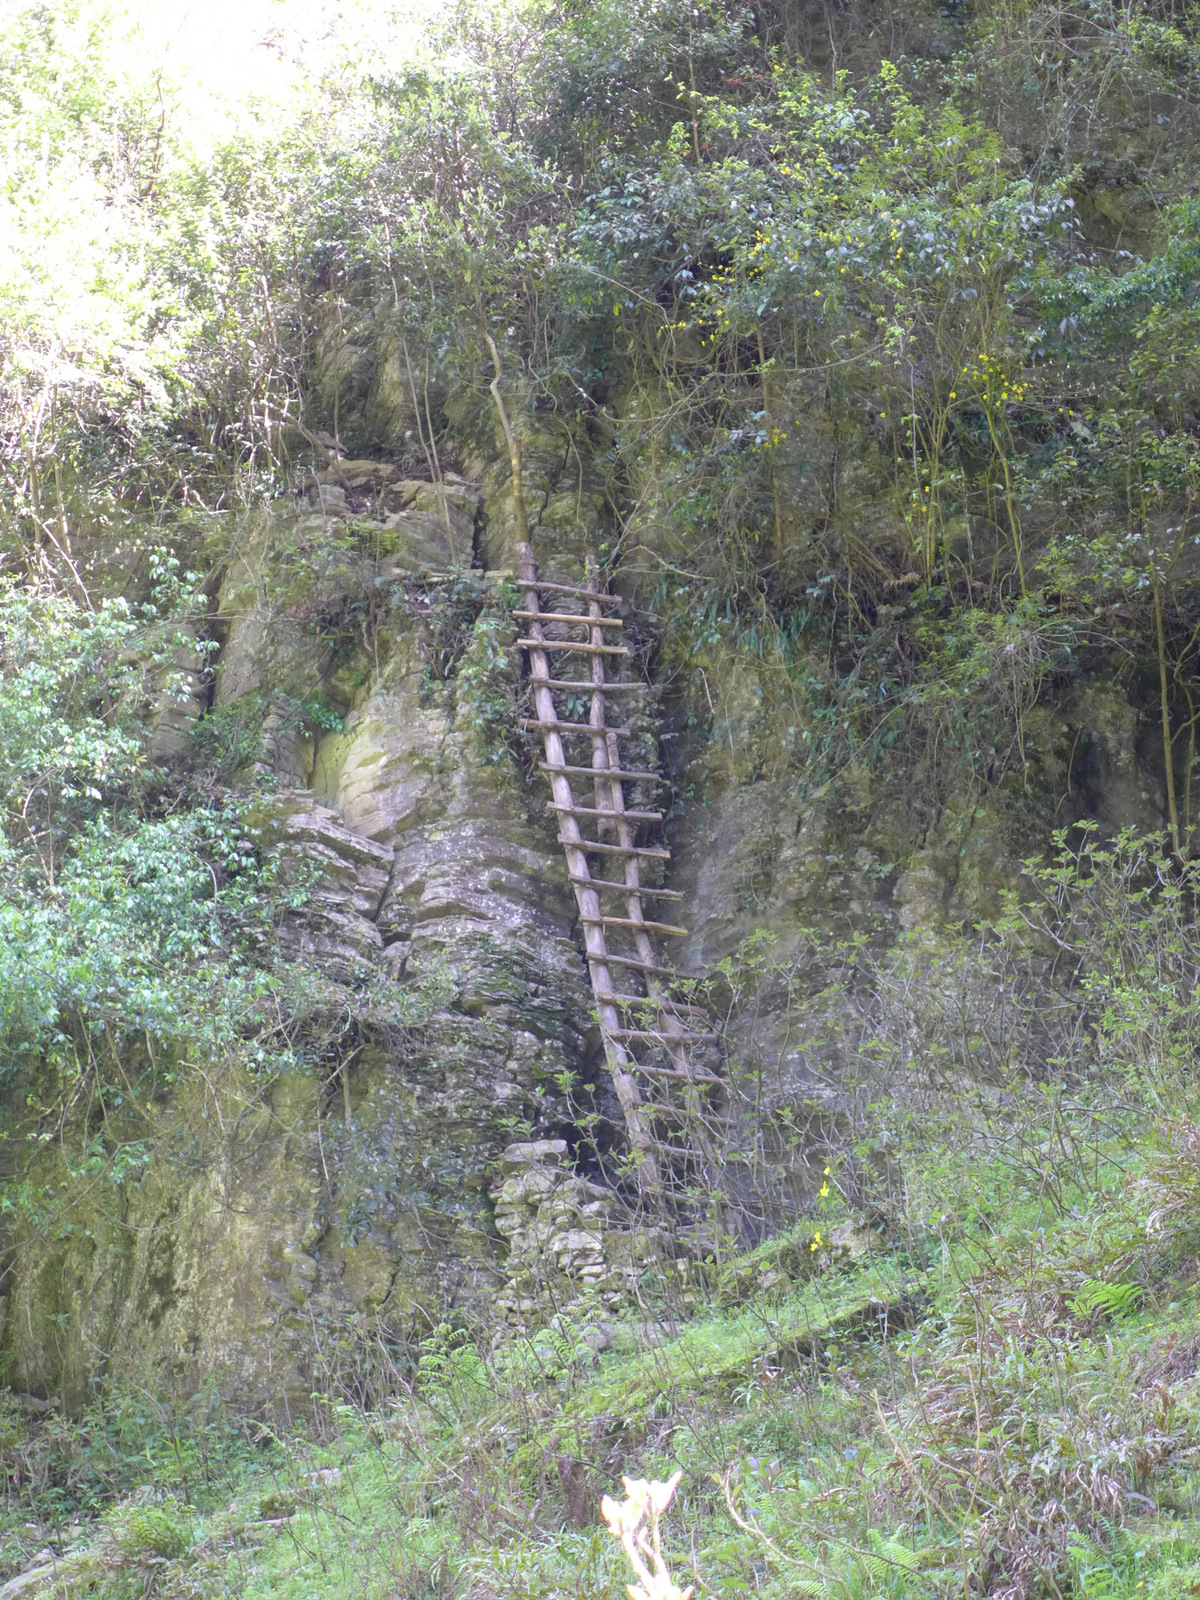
x,y
997,1395
226,740
732,263
136,933
486,683
146,1532
102,898
897,386
154,1465
322,715
1106,1299
65,719
1119,917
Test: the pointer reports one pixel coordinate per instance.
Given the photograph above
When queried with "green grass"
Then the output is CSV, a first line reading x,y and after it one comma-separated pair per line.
x,y
1004,1401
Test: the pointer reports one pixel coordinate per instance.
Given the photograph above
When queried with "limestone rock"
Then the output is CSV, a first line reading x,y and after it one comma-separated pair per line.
x,y
564,486
351,870
361,474
331,500
854,1239
179,1281
286,747
565,1234
265,649
350,873
382,381
469,871
430,525
381,773
35,1580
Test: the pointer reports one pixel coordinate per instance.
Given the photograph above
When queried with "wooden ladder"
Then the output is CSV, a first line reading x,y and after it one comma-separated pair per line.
x,y
675,1110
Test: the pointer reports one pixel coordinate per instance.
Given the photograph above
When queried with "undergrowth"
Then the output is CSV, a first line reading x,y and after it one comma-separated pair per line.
x,y
1000,1399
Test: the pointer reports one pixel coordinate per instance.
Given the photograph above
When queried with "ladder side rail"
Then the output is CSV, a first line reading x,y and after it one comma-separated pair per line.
x,y
620,1062
610,757
645,949
596,721
671,1026
606,758
610,797
607,754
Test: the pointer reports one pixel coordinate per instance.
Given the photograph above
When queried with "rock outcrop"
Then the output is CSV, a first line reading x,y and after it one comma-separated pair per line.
x,y
566,1237
417,1162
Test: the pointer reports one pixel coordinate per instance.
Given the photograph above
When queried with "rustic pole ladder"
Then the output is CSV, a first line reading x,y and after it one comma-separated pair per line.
x,y
675,1110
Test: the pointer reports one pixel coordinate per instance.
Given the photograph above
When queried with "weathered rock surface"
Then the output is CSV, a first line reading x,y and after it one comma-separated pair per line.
x,y
417,1161
336,927
170,1275
454,1009
266,647
566,1236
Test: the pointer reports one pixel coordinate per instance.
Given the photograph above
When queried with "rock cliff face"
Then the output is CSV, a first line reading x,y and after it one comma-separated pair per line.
x,y
365,656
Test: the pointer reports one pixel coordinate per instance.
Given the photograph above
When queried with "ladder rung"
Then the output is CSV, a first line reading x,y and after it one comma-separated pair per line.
x,y
706,1078
566,588
582,686
648,966
625,888
680,1006
647,927
574,644
574,727
567,616
604,772
659,1037
590,811
593,846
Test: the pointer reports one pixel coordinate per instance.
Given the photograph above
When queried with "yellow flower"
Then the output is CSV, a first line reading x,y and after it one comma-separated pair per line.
x,y
816,1241
823,1191
622,1517
643,1497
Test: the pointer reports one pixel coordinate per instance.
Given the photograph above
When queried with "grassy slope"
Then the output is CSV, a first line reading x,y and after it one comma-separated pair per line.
x,y
1009,1404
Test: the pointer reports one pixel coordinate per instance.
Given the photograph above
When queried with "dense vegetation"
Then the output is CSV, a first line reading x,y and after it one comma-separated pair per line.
x,y
874,338
717,246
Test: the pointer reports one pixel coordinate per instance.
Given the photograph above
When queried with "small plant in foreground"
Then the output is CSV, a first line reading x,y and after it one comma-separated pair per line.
x,y
635,1522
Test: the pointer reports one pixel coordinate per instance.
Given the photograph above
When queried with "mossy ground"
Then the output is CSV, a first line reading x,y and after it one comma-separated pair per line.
x,y
1000,1400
